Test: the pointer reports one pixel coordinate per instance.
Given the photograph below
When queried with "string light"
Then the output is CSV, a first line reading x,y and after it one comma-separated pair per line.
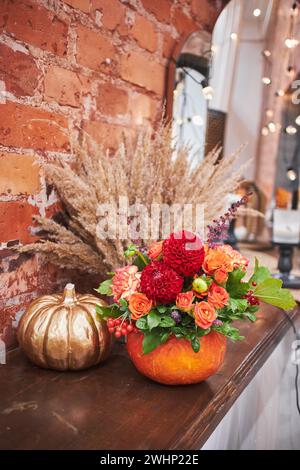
x,y
291,130
197,120
297,120
291,43
234,36
280,93
208,92
266,80
272,127
267,53
257,12
269,113
265,131
291,174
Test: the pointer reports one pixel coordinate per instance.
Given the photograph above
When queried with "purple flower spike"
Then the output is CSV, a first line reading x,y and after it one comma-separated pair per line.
x,y
217,230
176,315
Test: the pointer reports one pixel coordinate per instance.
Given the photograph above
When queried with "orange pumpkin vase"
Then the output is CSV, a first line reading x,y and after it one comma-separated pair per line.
x,y
175,362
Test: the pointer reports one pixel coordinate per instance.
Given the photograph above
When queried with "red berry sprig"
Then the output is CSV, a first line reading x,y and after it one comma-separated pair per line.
x,y
252,300
120,328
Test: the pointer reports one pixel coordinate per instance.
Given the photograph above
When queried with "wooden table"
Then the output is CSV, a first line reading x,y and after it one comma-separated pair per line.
x,y
113,407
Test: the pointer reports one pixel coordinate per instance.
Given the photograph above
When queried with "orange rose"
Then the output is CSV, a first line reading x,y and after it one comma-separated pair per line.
x,y
221,276
184,301
204,315
139,305
216,259
155,250
217,296
238,260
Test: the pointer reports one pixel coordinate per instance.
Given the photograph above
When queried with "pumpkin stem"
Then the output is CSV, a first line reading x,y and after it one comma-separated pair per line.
x,y
69,296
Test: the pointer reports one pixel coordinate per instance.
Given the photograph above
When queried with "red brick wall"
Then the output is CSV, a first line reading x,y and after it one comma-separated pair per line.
x,y
99,65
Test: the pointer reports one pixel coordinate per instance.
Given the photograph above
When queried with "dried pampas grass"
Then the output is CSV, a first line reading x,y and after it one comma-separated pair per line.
x,y
147,172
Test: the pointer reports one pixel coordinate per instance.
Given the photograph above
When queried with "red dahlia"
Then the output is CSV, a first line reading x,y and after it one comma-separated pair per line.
x,y
184,252
160,283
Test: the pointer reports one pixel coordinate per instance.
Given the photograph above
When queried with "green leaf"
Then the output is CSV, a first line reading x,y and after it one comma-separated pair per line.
x,y
153,320
167,322
164,337
177,332
234,286
202,332
237,305
123,303
229,331
142,324
260,274
186,320
251,316
162,308
105,287
105,312
151,340
271,292
195,344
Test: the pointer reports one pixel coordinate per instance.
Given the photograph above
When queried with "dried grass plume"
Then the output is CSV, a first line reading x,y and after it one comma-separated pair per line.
x,y
147,172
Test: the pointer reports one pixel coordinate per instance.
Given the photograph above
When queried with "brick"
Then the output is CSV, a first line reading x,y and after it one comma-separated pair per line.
x,y
93,50
160,9
113,15
169,44
108,136
18,71
112,100
15,219
53,209
34,24
144,33
83,5
65,87
25,126
205,11
143,108
183,23
22,276
138,69
11,309
19,174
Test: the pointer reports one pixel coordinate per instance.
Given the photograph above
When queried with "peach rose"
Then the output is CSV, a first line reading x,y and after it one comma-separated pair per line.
x,y
126,281
139,305
216,259
238,260
221,276
204,315
184,301
155,250
217,296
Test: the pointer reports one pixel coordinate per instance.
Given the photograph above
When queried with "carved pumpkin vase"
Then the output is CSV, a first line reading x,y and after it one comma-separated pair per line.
x,y
175,362
62,331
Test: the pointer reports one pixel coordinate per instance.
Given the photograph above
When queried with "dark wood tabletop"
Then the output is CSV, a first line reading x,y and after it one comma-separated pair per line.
x,y
113,407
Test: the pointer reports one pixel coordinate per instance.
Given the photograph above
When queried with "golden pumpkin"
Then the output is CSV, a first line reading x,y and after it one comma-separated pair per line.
x,y
63,332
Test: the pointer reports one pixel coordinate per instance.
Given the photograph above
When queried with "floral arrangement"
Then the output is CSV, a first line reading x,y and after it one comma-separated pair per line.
x,y
185,288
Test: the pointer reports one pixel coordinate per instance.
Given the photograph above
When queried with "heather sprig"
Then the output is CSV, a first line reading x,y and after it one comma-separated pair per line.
x,y
217,230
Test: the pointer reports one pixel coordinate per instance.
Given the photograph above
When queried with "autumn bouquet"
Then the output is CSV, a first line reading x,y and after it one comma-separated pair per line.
x,y
185,292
